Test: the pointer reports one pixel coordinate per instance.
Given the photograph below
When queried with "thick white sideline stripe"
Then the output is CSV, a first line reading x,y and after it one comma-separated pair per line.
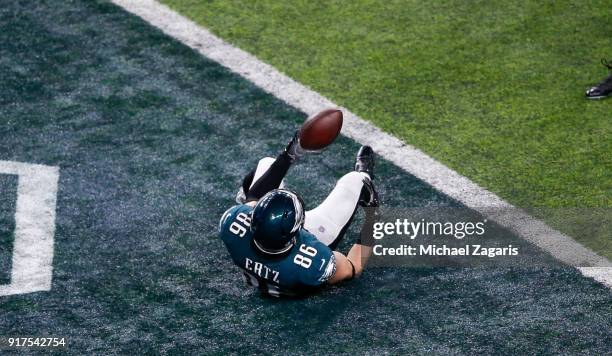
x,y
404,156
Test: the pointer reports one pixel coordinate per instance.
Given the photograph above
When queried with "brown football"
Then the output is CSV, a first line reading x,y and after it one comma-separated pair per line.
x,y
320,130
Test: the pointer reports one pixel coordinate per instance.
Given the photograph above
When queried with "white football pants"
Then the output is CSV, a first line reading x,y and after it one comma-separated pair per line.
x,y
330,219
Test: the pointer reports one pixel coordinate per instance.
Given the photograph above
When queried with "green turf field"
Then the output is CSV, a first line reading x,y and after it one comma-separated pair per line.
x,y
152,141
493,89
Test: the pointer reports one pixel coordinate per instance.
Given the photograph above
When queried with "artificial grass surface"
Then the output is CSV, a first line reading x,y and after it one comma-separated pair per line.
x,y
152,141
493,89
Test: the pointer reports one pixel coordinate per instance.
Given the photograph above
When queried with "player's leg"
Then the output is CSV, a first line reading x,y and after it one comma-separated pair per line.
x,y
330,220
269,173
262,167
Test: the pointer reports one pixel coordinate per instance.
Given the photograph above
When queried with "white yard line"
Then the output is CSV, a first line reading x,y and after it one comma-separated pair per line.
x,y
404,156
32,261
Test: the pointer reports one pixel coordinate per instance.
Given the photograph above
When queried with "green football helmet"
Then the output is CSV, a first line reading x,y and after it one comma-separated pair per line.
x,y
276,220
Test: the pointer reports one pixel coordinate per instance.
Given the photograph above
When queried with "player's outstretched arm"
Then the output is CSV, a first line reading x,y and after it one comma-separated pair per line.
x,y
350,266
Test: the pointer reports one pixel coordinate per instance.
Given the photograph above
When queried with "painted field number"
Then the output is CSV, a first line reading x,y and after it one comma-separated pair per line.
x,y
32,257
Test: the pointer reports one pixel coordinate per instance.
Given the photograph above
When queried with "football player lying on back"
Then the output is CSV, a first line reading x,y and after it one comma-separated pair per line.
x,y
284,250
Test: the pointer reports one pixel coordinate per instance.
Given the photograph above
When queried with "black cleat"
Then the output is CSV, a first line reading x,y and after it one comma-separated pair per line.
x,y
369,195
365,163
603,89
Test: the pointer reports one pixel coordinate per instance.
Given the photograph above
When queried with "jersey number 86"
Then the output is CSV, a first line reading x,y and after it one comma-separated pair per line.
x,y
302,260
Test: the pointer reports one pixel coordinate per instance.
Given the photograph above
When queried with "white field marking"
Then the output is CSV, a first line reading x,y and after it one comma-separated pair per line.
x,y
410,159
600,274
32,261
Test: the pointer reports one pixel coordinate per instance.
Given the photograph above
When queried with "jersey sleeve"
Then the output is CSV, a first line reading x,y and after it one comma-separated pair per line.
x,y
323,265
329,269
